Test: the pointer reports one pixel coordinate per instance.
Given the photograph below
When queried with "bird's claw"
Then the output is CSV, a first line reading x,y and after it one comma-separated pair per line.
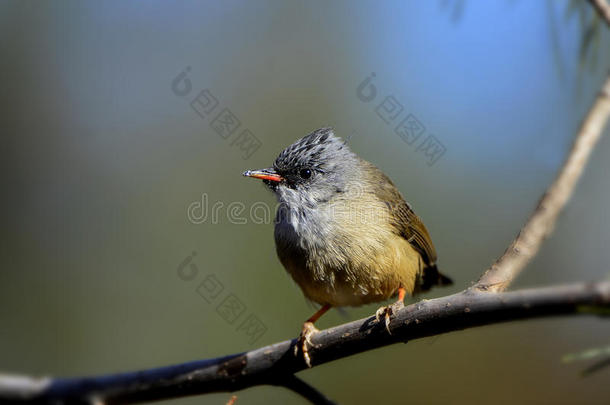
x,y
387,312
304,341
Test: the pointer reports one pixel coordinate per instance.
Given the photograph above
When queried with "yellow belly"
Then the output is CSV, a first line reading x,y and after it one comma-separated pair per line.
x,y
354,272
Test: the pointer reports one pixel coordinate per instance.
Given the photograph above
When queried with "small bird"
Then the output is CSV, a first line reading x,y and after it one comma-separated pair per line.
x,y
344,232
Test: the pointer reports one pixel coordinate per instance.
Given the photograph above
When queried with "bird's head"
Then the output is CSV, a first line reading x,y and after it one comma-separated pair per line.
x,y
311,170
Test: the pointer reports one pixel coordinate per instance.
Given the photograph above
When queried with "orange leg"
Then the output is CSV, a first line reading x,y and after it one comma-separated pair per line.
x,y
318,314
307,332
401,294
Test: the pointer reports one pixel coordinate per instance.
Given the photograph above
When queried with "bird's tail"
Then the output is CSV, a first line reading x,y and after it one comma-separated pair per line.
x,y
432,277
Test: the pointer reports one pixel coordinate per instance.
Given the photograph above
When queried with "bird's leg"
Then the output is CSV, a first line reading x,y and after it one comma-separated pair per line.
x,y
307,332
388,311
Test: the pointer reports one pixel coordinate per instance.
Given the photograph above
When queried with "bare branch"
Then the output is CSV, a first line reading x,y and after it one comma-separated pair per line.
x,y
603,9
499,276
294,383
276,363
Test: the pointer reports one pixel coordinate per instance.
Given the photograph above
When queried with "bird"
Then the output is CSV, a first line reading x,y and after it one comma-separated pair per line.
x,y
344,232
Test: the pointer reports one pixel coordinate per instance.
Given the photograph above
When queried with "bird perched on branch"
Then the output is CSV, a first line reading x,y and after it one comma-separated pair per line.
x,y
344,232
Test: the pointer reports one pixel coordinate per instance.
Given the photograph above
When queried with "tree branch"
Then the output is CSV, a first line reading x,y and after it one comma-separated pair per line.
x,y
602,8
294,383
499,276
272,364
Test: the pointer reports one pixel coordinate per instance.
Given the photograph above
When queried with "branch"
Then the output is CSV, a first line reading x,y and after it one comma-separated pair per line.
x,y
499,276
294,383
272,364
602,8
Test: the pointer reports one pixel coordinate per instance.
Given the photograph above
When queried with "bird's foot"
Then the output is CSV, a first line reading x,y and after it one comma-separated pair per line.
x,y
387,312
304,341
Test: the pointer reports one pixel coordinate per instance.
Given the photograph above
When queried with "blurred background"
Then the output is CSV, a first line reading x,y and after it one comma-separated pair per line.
x,y
105,147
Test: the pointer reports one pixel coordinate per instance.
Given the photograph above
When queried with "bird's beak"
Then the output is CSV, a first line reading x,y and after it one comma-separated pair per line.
x,y
264,174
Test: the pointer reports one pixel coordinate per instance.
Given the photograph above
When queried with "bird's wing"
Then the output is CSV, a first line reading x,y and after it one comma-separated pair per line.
x,y
412,228
406,223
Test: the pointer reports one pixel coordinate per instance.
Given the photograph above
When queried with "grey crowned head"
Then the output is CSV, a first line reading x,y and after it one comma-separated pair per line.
x,y
312,170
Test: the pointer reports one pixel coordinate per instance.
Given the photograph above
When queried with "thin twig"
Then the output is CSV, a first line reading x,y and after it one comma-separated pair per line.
x,y
499,276
271,364
602,8
307,391
596,367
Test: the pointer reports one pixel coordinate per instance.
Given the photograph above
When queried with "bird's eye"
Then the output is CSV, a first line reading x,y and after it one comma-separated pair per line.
x,y
305,173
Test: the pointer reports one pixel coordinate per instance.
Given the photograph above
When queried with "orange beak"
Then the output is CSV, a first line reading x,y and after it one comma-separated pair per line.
x,y
264,174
